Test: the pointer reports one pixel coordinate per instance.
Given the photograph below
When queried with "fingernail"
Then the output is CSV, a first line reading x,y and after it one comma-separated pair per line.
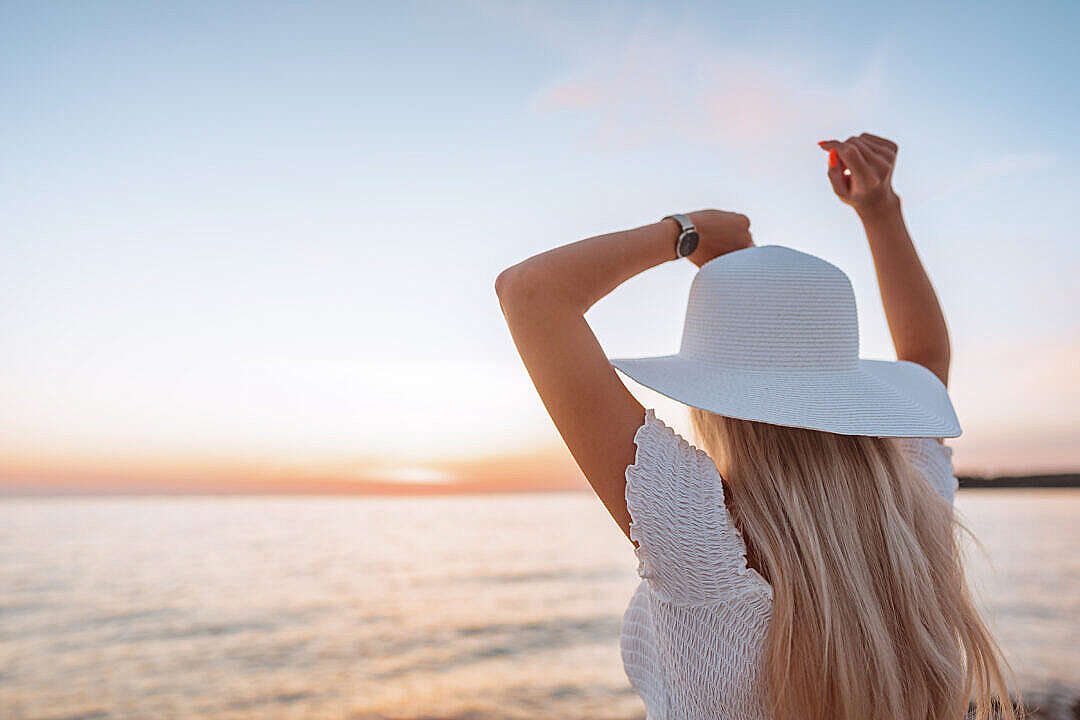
x,y
832,158
821,143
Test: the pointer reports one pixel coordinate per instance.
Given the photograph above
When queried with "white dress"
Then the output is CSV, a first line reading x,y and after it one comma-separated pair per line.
x,y
693,636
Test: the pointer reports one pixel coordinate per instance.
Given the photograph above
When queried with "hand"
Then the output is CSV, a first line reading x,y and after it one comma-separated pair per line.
x,y
860,170
719,232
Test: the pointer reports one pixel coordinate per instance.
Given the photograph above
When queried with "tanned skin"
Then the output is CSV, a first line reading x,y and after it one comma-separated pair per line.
x,y
912,310
545,297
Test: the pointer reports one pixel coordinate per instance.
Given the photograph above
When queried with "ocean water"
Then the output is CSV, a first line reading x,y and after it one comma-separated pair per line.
x,y
364,608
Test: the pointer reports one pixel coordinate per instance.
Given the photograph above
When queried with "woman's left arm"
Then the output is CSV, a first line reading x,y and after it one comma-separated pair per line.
x,y
545,299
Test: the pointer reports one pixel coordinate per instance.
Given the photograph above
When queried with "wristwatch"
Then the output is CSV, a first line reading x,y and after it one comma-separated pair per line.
x,y
688,236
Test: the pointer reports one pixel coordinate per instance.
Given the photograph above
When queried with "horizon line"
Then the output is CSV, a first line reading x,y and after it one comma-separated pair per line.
x,y
1066,480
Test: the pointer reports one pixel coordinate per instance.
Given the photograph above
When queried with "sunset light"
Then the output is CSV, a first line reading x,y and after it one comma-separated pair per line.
x,y
378,361
275,281
416,474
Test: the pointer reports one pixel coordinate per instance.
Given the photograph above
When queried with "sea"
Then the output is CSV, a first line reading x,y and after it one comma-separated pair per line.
x,y
441,608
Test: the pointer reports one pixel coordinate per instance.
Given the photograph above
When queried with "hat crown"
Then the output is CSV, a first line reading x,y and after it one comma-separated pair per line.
x,y
770,307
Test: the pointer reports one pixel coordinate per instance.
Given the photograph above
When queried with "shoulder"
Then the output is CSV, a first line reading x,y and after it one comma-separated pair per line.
x,y
933,459
663,457
686,542
667,472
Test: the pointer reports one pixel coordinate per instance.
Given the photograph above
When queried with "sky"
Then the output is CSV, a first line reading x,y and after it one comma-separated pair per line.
x,y
255,243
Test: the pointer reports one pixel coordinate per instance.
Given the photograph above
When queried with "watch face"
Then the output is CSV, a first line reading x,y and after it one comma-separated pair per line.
x,y
688,243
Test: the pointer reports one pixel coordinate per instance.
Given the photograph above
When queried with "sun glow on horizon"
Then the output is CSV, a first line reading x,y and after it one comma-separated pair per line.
x,y
178,312
414,474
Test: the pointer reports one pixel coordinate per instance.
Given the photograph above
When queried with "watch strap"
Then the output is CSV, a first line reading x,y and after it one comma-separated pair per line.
x,y
687,241
685,223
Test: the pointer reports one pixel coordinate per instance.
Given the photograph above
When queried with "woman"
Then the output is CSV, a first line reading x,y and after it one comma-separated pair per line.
x,y
804,563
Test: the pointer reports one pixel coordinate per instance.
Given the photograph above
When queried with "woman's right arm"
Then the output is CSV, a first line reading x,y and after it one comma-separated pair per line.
x,y
915,319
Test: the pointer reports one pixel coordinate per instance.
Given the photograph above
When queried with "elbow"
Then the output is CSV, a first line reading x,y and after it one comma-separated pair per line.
x,y
503,282
516,287
532,288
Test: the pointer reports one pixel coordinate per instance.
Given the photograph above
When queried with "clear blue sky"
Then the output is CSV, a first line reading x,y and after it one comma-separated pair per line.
x,y
255,231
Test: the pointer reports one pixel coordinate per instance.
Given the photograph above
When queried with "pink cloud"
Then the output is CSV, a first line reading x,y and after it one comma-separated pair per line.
x,y
640,91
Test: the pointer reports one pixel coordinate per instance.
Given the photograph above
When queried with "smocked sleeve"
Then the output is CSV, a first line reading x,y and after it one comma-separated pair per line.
x,y
688,548
934,461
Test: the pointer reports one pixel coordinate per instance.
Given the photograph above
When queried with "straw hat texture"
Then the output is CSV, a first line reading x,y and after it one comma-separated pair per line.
x,y
772,334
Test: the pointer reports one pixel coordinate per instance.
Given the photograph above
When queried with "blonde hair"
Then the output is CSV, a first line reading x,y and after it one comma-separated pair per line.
x,y
872,616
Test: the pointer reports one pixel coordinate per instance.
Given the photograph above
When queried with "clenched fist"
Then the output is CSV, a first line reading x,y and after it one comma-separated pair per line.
x,y
860,170
720,232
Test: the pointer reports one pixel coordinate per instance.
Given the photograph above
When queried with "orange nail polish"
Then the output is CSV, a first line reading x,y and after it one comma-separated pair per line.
x,y
833,160
821,143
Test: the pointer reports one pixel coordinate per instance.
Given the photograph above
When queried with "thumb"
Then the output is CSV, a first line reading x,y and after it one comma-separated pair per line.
x,y
840,182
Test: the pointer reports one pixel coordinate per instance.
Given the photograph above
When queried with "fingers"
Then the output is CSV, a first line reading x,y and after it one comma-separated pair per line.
x,y
875,156
741,220
849,156
833,148
840,182
867,144
855,160
838,150
888,144
883,147
860,168
866,156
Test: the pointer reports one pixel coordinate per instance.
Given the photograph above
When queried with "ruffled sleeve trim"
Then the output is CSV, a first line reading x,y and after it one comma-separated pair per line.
x,y
934,461
688,548
649,458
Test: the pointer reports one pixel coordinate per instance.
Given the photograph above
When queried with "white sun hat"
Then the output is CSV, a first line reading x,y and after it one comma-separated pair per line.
x,y
772,334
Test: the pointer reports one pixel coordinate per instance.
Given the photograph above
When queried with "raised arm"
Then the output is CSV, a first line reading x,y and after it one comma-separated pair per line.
x,y
915,319
544,300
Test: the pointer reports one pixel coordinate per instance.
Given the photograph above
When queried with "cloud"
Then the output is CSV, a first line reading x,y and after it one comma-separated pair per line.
x,y
640,91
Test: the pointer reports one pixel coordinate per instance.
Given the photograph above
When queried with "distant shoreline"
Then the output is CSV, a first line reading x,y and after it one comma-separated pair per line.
x,y
1060,480
318,489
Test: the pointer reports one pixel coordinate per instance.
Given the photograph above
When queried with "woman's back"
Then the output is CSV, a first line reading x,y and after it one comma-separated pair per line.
x,y
694,636
865,613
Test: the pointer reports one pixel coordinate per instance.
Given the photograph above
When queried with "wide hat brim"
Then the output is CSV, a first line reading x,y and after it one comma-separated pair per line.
x,y
879,398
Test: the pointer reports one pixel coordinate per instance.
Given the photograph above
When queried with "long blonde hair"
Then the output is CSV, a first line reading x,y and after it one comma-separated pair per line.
x,y
872,616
